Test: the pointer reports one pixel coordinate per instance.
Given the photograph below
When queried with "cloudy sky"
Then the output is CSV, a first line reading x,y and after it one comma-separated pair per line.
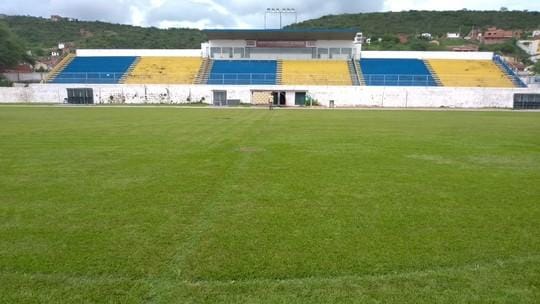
x,y
231,13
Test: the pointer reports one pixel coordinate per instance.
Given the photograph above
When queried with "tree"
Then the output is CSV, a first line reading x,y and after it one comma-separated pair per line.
x,y
11,49
537,67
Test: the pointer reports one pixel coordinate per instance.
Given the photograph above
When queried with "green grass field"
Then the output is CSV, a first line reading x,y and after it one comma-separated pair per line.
x,y
166,205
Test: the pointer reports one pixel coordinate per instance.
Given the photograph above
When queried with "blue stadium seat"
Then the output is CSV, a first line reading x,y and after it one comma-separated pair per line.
x,y
243,72
95,70
396,72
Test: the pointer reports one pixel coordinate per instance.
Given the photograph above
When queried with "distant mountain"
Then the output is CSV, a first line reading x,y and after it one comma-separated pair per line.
x,y
45,33
435,22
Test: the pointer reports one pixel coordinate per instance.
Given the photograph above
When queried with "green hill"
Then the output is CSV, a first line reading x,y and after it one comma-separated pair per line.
x,y
44,33
436,22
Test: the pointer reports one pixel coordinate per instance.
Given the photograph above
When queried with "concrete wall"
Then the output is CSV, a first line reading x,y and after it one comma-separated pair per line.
x,y
428,55
346,96
26,77
140,53
324,44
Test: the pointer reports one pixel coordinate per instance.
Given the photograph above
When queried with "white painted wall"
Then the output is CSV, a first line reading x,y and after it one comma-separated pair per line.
x,y
343,96
335,43
428,55
139,53
228,43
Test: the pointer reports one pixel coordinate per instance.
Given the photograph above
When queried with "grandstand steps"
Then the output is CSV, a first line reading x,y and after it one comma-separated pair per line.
x,y
204,71
59,67
279,72
130,70
433,74
359,73
354,71
506,71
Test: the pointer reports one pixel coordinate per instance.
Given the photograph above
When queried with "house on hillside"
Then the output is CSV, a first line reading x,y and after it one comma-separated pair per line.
x,y
453,35
494,35
426,36
531,47
57,18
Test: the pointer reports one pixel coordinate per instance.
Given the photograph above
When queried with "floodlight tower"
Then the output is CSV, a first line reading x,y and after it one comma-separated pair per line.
x,y
280,12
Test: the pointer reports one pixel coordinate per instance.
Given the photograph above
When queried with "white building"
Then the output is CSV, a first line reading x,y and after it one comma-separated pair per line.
x,y
531,47
283,44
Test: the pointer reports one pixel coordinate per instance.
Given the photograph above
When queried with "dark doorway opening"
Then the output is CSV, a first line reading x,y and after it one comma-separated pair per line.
x,y
527,102
80,96
300,99
280,98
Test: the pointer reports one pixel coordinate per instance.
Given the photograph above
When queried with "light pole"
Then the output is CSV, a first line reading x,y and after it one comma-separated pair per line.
x,y
280,11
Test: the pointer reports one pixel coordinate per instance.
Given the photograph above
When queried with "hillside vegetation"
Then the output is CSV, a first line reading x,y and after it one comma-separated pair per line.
x,y
44,33
436,22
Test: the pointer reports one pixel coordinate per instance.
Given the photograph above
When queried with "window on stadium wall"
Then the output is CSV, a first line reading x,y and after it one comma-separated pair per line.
x,y
527,101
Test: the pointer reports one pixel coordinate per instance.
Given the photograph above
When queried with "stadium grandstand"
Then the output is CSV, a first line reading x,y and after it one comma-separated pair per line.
x,y
286,65
285,57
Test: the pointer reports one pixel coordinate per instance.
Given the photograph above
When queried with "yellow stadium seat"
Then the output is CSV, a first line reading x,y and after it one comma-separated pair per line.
x,y
470,73
316,72
165,70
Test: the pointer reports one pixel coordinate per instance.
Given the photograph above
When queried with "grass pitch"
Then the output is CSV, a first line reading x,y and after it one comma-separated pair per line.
x,y
164,205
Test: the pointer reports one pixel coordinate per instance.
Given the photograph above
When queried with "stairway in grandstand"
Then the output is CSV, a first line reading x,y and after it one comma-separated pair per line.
x,y
59,67
204,71
501,63
279,72
356,75
130,69
435,76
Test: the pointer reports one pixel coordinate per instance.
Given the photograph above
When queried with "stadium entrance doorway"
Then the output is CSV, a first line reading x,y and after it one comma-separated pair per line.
x,y
80,96
220,98
280,98
527,102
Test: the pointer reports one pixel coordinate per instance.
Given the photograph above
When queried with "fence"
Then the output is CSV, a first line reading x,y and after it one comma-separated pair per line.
x,y
399,80
235,78
90,78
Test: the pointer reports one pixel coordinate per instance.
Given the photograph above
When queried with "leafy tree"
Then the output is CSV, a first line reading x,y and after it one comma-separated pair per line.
x,y
12,50
44,33
537,67
437,23
4,82
419,45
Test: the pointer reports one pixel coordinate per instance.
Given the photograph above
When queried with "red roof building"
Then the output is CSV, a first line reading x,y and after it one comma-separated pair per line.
x,y
494,35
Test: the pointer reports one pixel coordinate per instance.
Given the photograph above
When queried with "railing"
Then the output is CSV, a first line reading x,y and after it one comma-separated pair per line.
x,y
343,78
241,78
399,80
498,59
98,77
